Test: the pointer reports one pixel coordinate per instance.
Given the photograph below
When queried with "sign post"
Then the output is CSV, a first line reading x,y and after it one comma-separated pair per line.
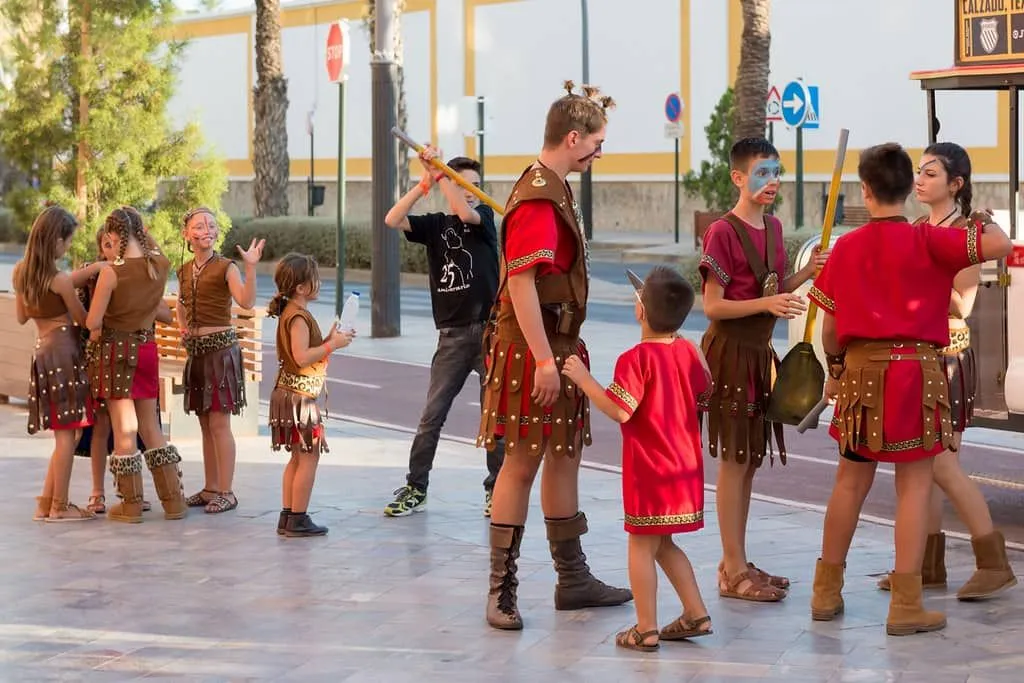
x,y
337,61
674,130
800,110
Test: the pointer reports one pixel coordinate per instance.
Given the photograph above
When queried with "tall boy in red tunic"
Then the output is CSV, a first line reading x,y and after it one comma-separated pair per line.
x,y
745,291
654,398
885,294
541,305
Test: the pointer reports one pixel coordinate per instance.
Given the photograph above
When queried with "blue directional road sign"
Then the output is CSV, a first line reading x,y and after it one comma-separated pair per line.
x,y
673,107
800,105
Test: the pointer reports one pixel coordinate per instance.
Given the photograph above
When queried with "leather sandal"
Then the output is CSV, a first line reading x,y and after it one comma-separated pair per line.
x,y
197,500
684,628
757,590
222,503
97,504
634,640
777,581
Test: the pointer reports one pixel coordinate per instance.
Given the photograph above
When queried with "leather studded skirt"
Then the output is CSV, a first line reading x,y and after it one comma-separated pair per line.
x,y
59,395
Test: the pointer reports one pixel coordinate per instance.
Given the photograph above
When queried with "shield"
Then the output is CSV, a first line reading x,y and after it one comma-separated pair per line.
x,y
989,34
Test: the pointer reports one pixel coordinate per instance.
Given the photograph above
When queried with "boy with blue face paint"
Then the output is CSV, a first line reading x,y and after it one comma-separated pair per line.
x,y
742,267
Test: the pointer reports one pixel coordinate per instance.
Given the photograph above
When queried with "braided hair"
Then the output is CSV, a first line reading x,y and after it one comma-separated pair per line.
x,y
293,271
127,223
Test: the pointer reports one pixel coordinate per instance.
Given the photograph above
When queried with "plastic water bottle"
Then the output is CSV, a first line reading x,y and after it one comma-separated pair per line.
x,y
349,313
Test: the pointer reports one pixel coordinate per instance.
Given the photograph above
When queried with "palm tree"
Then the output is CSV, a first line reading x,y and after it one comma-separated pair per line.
x,y
402,117
753,71
270,103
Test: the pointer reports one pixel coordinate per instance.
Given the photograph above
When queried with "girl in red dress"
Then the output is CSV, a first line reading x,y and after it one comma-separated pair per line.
x,y
59,387
654,399
944,185
885,292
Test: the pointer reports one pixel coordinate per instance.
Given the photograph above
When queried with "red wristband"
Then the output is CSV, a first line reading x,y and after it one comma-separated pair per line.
x,y
439,177
547,361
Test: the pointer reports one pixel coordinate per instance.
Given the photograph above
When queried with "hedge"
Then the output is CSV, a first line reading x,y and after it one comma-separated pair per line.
x,y
792,241
317,236
9,231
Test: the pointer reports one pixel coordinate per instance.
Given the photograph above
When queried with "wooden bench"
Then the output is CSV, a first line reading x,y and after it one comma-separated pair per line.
x,y
855,216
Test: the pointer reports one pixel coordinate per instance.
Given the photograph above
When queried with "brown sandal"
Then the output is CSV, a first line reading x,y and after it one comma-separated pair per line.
x,y
634,640
777,581
198,500
757,590
222,503
683,628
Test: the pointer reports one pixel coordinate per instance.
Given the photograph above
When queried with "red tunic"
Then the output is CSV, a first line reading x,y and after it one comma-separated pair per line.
x,y
662,459
723,258
891,280
536,237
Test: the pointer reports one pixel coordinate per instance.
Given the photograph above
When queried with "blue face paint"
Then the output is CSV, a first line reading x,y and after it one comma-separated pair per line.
x,y
763,173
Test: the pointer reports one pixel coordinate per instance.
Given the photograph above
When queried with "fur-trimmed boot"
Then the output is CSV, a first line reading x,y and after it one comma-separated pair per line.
x,y
127,471
906,613
827,599
502,610
163,465
576,587
933,566
994,573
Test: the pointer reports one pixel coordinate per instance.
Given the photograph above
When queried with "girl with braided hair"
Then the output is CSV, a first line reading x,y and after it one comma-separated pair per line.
x,y
214,379
124,368
59,397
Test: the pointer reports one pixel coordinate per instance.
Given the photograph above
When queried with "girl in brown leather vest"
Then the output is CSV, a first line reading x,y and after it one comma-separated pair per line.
x,y
214,378
296,423
124,366
59,397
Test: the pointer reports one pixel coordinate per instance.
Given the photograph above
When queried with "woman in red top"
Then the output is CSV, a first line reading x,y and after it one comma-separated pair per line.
x,y
885,291
654,399
944,185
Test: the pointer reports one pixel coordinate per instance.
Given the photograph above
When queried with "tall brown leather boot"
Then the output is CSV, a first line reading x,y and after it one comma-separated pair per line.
x,y
502,612
994,573
933,566
906,613
827,599
163,465
577,588
127,471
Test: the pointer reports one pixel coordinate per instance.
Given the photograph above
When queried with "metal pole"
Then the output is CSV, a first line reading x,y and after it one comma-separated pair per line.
x,y
676,189
339,284
933,123
799,218
385,314
309,185
480,136
586,186
1014,159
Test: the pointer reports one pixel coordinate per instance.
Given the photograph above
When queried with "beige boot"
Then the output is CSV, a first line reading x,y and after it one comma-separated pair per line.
x,y
906,613
577,588
933,566
994,573
163,465
502,611
127,471
827,599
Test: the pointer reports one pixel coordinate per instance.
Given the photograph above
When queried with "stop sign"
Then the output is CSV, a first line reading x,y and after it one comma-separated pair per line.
x,y
337,51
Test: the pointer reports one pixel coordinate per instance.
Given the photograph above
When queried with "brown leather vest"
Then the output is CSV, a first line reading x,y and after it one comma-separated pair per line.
x,y
50,305
307,380
208,304
134,301
555,291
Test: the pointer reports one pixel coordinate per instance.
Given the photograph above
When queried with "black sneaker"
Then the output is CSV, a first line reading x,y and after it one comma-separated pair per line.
x,y
408,500
300,524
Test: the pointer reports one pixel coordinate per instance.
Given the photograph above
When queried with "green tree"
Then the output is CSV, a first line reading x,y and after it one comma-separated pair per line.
x,y
84,115
713,183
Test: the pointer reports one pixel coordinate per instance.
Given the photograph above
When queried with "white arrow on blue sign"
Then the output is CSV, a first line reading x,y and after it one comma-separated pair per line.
x,y
673,107
800,105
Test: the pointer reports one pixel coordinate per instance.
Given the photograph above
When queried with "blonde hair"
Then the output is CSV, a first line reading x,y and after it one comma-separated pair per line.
x,y
34,274
293,271
585,112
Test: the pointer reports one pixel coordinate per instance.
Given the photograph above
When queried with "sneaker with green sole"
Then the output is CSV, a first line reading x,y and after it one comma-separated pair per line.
x,y
408,500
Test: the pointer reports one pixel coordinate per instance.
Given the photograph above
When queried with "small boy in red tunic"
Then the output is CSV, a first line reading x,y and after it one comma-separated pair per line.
x,y
654,398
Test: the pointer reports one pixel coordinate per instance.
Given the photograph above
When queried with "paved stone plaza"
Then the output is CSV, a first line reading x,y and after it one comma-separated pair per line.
x,y
223,598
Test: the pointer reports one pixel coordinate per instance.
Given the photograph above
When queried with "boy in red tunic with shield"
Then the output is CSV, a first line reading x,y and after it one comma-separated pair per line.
x,y
654,398
534,327
885,292
745,292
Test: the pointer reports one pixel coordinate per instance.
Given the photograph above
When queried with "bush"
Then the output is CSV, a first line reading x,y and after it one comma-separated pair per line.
x,y
689,266
316,236
10,233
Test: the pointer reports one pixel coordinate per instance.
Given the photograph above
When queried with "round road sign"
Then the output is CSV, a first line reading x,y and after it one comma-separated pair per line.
x,y
673,107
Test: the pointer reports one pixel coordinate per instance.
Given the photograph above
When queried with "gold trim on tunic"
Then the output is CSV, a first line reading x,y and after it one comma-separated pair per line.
x,y
826,301
709,261
623,395
664,520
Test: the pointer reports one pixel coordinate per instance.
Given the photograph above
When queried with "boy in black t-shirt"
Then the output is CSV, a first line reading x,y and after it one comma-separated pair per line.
x,y
462,257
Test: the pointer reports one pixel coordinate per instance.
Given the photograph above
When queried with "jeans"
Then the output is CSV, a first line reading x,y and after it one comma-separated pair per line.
x,y
458,353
